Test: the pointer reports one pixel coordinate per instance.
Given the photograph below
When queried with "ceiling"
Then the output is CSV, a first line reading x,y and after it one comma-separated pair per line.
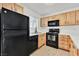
x,y
44,9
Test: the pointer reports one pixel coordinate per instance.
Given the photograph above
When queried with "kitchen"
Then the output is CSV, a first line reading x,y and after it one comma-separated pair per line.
x,y
53,27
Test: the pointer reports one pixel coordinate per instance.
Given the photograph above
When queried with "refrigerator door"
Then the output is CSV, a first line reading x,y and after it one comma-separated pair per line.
x,y
13,20
15,43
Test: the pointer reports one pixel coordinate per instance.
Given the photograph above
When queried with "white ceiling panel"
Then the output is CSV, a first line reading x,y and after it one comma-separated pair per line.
x,y
47,8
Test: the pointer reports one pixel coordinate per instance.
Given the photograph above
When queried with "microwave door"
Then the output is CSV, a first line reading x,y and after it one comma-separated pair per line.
x,y
53,23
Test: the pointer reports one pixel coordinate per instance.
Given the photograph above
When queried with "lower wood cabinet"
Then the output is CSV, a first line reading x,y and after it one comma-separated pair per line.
x,y
41,39
78,52
63,42
73,51
66,43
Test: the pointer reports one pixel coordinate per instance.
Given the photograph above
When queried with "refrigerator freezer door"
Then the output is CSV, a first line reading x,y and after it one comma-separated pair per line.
x,y
13,20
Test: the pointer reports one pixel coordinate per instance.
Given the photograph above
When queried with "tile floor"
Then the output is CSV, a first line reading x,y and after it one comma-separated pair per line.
x,y
50,51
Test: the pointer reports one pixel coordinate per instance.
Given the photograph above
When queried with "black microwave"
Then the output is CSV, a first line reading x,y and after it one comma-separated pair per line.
x,y
53,23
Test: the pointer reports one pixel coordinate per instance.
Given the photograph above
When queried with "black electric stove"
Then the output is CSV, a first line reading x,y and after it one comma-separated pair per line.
x,y
52,38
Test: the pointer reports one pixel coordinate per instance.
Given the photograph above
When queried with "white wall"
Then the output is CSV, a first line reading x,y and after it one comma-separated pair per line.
x,y
31,14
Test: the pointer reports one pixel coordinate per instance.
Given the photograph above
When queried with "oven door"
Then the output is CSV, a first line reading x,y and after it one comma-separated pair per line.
x,y
52,40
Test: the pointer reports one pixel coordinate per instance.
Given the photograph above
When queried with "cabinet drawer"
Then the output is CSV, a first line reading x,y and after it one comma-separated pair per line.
x,y
63,46
63,40
61,43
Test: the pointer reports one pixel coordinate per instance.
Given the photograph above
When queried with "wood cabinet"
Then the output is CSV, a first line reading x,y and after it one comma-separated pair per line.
x,y
9,6
18,8
12,6
65,19
63,42
44,22
73,51
66,43
78,52
62,19
55,17
70,18
0,5
41,39
77,17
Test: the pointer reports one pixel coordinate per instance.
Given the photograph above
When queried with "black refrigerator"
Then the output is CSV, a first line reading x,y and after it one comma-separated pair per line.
x,y
14,33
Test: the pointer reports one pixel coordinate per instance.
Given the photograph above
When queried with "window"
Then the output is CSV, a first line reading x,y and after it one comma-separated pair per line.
x,y
33,25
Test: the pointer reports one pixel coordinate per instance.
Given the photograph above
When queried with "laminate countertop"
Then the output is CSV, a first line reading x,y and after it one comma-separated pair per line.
x,y
75,39
33,34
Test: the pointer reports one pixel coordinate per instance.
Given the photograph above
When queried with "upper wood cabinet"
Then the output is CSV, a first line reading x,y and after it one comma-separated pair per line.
x,y
12,6
44,22
51,18
62,19
9,6
55,17
18,8
70,18
77,17
0,5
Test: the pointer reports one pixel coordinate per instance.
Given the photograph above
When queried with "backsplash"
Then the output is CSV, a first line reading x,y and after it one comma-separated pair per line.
x,y
74,29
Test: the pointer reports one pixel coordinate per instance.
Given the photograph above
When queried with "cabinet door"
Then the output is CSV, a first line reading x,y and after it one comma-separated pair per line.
x,y
8,6
41,40
63,42
0,5
62,19
45,38
70,18
18,8
55,17
73,51
51,18
61,38
41,22
77,17
44,22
